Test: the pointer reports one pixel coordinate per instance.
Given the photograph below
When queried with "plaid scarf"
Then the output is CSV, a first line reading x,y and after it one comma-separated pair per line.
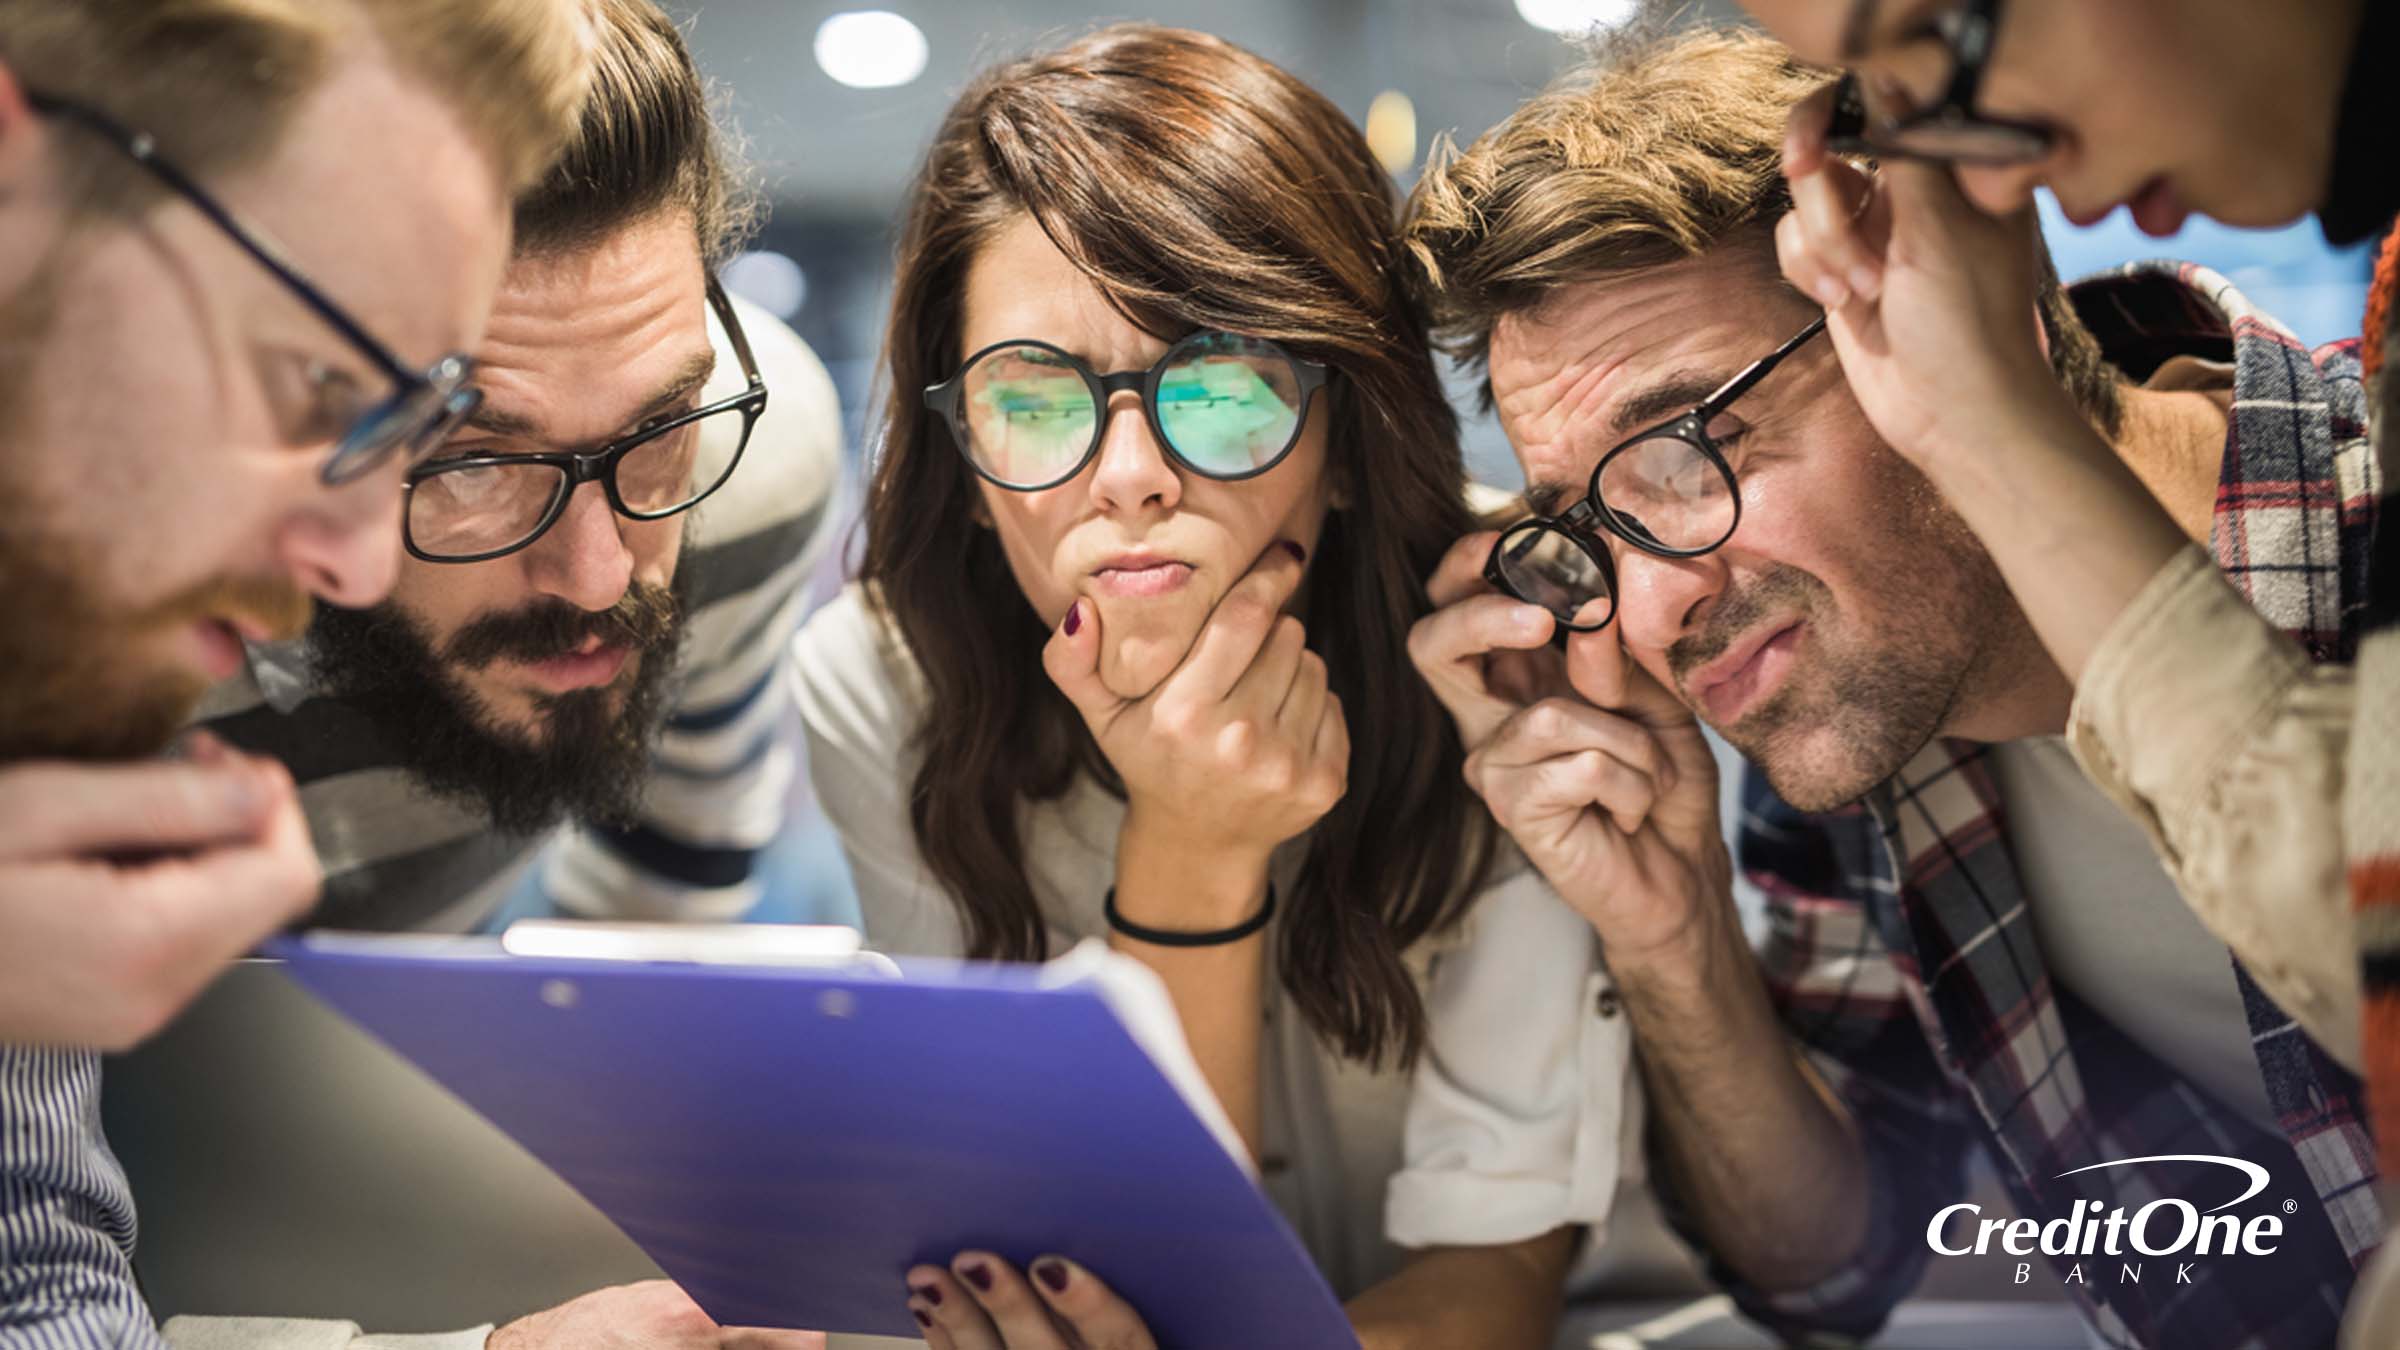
x,y
2371,805
1901,954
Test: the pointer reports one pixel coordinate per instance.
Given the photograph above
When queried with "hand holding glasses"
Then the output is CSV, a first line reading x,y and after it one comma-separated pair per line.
x,y
1030,416
1949,131
473,508
1668,491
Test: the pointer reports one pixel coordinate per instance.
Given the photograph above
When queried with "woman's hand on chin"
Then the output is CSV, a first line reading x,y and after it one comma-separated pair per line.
x,y
983,1303
1242,746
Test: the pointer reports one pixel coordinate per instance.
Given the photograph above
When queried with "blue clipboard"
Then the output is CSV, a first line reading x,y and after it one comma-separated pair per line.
x,y
786,1142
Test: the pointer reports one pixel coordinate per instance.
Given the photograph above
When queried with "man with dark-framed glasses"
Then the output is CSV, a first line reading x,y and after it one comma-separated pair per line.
x,y
1967,946
582,652
211,381
602,544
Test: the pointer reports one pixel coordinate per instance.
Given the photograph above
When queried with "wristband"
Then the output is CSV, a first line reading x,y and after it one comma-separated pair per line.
x,y
1159,937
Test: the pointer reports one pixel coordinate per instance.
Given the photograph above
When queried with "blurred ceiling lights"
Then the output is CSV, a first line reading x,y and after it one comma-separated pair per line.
x,y
1576,16
871,49
770,280
1392,131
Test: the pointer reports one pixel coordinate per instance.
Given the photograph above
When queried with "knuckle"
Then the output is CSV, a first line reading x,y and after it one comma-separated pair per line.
x,y
1246,608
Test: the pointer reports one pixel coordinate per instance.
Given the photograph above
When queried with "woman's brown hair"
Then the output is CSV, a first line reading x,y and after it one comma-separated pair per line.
x,y
1198,186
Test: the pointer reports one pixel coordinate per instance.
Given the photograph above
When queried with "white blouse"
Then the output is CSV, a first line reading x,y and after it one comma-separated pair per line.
x,y
1522,1115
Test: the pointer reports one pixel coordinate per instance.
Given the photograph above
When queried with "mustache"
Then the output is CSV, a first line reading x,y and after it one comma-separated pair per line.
x,y
1780,588
646,616
274,604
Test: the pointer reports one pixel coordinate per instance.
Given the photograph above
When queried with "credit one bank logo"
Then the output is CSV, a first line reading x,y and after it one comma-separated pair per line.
x,y
2169,1226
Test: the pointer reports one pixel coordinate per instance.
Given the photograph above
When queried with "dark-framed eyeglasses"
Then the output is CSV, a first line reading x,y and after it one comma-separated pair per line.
x,y
1028,415
1950,131
473,508
1667,490
423,407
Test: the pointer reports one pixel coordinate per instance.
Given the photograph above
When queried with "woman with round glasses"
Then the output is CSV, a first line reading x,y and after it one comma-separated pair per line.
x,y
1165,463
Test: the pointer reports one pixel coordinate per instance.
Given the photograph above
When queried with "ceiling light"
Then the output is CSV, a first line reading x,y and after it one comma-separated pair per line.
x,y
1576,16
871,49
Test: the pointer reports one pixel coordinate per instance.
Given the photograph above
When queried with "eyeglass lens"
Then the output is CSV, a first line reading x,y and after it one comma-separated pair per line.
x,y
1546,566
1667,493
489,504
1229,406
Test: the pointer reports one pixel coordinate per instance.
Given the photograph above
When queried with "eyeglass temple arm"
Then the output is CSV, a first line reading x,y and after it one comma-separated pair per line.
x,y
142,149
723,304
1970,48
1758,370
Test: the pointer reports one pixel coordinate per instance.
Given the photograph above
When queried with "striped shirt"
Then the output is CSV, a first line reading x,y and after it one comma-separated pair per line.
x,y
396,857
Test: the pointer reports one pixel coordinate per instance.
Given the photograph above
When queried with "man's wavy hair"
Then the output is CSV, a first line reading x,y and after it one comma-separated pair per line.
x,y
1663,144
644,142
1198,186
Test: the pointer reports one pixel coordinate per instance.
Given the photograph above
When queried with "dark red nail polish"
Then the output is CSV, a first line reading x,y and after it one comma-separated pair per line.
x,y
1299,554
924,1318
1052,1273
1074,618
929,1293
979,1275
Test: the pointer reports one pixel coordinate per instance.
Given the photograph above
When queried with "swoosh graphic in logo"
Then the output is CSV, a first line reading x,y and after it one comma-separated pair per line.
x,y
2256,1173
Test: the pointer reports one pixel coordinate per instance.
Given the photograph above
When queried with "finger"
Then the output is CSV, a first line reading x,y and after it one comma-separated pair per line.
x,y
768,1338
1240,624
1304,704
1556,726
1566,786
1023,1319
1828,204
1804,149
1600,669
183,919
1460,572
1088,1307
1331,744
1449,646
1267,684
950,1309
52,811
1072,659
1802,266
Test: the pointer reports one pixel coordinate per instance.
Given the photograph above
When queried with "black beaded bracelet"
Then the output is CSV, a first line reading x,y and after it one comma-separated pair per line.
x,y
1159,937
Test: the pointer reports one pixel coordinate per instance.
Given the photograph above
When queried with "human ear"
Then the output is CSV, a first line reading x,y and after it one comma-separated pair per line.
x,y
21,135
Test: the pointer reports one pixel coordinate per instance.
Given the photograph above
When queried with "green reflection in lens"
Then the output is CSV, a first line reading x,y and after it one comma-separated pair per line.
x,y
1224,415
1030,427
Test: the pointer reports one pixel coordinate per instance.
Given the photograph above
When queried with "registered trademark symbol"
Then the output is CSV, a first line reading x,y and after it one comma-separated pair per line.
x,y
2291,1206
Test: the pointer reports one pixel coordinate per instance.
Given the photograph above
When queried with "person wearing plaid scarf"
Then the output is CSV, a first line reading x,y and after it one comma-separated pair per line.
x,y
1968,945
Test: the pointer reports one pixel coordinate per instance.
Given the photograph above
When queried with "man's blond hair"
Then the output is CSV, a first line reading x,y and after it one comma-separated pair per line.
x,y
216,81
1663,145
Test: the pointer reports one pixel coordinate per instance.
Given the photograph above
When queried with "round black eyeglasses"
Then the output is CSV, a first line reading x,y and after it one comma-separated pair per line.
x,y
423,407
1950,131
1667,490
1028,415
473,508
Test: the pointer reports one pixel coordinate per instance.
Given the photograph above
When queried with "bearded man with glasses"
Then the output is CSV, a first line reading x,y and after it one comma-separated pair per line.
x,y
566,637
227,323
584,648
1967,946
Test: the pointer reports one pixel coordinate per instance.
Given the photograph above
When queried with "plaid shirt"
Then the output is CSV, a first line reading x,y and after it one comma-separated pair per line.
x,y
1901,956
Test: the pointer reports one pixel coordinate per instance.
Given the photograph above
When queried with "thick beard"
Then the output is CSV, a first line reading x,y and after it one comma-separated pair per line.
x,y
583,762
80,679
1848,721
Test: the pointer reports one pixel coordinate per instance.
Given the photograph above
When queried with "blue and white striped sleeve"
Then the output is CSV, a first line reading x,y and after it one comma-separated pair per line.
x,y
724,766
66,1213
